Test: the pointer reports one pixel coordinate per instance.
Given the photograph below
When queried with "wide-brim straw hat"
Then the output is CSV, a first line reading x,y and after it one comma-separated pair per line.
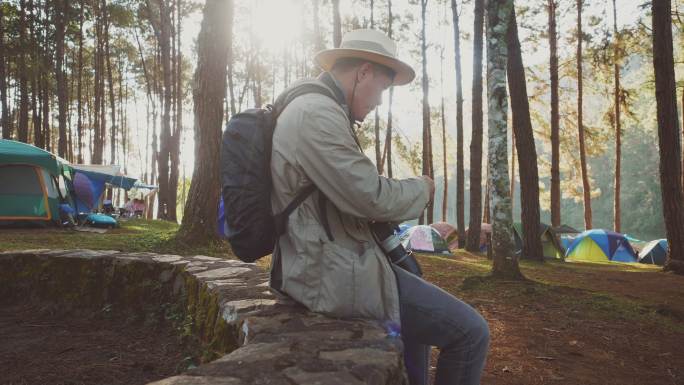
x,y
371,45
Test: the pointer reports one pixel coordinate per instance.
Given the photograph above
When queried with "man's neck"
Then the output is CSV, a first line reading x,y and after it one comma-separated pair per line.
x,y
345,83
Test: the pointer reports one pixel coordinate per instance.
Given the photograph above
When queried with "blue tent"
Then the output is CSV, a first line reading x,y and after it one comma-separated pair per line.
x,y
599,246
89,183
655,252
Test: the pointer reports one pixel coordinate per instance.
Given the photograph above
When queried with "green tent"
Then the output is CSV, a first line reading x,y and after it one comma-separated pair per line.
x,y
550,244
33,183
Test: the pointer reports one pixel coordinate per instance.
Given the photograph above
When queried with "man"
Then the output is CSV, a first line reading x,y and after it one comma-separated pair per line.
x,y
328,259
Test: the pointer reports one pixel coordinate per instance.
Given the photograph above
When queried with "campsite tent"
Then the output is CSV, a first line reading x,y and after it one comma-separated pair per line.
x,y
654,252
599,246
565,234
90,182
485,230
33,184
448,233
551,245
424,239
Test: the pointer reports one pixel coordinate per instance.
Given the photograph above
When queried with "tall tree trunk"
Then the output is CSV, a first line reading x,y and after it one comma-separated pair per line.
x,y
388,137
5,118
37,76
513,152
460,173
45,113
337,24
231,62
97,147
473,241
110,80
36,103
618,133
586,189
23,80
505,262
524,143
425,81
668,136
442,119
378,154
555,117
60,25
178,132
209,90
164,205
79,92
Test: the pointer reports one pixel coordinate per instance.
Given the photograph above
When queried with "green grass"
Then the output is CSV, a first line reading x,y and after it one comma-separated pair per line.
x,y
133,236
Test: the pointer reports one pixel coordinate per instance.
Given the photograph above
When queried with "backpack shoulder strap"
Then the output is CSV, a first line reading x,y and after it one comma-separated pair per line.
x,y
304,88
307,87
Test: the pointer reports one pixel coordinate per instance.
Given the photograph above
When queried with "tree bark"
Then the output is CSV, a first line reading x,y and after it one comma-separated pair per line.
x,y
473,241
425,81
98,122
231,61
618,130
460,173
164,204
110,80
513,152
555,117
505,262
79,90
442,118
524,143
23,80
337,24
378,154
209,90
5,118
178,132
586,189
37,77
388,136
668,136
60,25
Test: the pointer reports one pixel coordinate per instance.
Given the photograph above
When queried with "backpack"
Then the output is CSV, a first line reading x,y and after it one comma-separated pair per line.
x,y
250,226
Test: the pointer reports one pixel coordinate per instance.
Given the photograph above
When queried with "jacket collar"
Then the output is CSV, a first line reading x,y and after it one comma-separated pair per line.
x,y
329,80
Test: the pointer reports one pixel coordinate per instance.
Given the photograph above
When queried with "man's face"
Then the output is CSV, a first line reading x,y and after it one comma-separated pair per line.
x,y
368,95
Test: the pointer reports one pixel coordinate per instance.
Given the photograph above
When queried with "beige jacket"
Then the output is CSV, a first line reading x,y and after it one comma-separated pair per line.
x,y
350,276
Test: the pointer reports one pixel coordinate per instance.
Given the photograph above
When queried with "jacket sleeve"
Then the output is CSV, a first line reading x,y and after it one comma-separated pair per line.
x,y
329,156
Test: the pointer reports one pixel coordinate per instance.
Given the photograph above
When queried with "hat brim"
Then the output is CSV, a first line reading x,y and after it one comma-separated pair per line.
x,y
404,74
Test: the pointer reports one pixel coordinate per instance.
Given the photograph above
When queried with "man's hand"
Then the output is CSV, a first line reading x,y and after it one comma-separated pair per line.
x,y
430,183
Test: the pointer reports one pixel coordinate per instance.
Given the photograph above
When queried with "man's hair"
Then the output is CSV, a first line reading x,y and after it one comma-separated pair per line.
x,y
346,64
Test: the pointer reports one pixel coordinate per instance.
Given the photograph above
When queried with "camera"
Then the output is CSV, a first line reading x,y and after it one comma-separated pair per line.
x,y
395,251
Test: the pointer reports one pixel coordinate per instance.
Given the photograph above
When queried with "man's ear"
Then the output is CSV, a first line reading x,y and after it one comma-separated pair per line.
x,y
364,70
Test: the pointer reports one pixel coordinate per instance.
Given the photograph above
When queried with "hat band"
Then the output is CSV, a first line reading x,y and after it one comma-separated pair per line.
x,y
367,46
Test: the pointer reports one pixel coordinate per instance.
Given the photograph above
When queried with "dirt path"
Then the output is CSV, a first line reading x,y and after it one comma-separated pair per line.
x,y
38,347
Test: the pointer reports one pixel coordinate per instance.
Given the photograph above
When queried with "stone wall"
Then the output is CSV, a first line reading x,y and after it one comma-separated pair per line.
x,y
249,335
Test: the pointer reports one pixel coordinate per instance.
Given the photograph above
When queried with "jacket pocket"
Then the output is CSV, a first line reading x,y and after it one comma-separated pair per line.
x,y
337,284
371,284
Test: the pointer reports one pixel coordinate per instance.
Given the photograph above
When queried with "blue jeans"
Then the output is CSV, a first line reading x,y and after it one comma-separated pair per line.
x,y
432,317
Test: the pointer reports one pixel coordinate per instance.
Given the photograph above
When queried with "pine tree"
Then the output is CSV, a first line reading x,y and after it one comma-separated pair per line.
x,y
668,135
209,91
505,262
473,241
